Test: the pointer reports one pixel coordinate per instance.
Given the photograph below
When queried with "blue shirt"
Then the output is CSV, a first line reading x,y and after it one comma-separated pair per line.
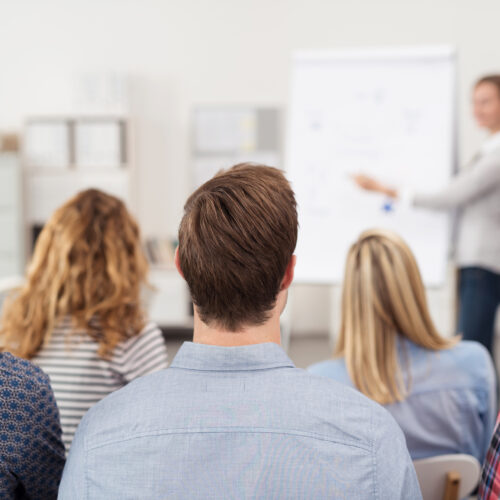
x,y
31,449
451,407
237,422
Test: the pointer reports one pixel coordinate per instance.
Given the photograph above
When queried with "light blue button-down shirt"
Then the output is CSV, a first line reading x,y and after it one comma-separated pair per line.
x,y
452,403
237,422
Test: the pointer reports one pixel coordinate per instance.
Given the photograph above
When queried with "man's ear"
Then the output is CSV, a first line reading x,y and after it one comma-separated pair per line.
x,y
177,262
289,271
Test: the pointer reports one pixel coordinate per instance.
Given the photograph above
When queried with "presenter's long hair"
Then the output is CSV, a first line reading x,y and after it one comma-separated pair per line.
x,y
383,299
88,264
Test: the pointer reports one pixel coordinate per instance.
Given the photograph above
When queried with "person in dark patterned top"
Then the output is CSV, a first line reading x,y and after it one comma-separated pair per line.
x,y
489,488
31,450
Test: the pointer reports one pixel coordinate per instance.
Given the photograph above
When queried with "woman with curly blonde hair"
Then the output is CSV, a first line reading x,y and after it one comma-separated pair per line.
x,y
79,314
441,391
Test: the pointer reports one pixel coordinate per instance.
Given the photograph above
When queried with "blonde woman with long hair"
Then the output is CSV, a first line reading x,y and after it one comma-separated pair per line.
x,y
441,391
79,314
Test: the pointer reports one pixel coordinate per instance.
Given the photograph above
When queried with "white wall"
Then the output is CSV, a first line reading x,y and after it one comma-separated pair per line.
x,y
187,52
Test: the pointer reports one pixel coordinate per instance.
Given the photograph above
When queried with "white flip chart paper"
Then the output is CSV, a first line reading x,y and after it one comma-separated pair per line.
x,y
385,113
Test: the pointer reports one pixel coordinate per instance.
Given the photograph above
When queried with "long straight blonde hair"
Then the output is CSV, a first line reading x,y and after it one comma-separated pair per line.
x,y
88,264
383,298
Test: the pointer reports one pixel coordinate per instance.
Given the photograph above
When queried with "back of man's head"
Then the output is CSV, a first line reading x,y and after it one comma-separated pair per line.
x,y
236,240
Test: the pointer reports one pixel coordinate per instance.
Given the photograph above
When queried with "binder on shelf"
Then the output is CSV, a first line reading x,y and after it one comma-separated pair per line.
x,y
160,252
47,143
99,143
226,135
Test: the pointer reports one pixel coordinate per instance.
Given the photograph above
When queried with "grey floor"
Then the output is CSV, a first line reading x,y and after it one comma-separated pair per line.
x,y
303,350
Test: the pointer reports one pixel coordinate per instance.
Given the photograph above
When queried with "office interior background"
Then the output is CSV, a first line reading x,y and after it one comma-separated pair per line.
x,y
151,65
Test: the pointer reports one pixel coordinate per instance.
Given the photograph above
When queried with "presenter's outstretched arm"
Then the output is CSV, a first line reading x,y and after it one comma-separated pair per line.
x,y
370,184
461,190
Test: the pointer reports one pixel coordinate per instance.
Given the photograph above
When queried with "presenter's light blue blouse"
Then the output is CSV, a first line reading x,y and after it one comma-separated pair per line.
x,y
237,423
452,403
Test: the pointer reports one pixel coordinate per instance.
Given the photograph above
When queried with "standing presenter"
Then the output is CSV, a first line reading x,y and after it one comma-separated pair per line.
x,y
475,192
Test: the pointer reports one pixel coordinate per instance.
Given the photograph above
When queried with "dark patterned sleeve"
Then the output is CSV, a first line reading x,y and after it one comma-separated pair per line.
x,y
31,451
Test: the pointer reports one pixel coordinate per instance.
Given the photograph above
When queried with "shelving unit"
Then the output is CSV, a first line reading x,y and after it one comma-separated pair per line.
x,y
169,304
228,134
63,155
11,243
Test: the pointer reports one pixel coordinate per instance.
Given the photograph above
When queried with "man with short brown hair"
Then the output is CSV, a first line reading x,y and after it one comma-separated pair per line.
x,y
232,417
236,243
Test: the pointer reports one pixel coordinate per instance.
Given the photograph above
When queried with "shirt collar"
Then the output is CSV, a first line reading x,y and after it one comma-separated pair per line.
x,y
193,356
493,142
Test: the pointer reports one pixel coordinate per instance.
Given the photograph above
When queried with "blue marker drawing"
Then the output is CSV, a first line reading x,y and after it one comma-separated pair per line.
x,y
388,206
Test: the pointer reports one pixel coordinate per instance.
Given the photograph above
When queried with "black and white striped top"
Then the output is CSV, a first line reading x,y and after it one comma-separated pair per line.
x,y
80,378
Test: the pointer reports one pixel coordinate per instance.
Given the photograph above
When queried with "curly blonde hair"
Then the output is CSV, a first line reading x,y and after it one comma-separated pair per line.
x,y
88,264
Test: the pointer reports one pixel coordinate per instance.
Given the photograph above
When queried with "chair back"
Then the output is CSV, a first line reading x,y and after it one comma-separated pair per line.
x,y
447,477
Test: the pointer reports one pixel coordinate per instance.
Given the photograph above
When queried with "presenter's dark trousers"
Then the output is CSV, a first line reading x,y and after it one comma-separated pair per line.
x,y
479,298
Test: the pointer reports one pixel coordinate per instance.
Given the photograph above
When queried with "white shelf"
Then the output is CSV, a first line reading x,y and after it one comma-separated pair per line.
x,y
45,192
168,304
47,187
11,243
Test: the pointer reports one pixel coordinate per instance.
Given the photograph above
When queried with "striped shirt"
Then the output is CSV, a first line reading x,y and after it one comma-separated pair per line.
x,y
80,377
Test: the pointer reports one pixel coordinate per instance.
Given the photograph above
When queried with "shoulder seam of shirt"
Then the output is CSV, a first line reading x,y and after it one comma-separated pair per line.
x,y
232,369
228,430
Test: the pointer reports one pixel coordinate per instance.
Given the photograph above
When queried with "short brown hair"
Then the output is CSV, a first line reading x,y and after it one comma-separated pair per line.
x,y
236,239
494,79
